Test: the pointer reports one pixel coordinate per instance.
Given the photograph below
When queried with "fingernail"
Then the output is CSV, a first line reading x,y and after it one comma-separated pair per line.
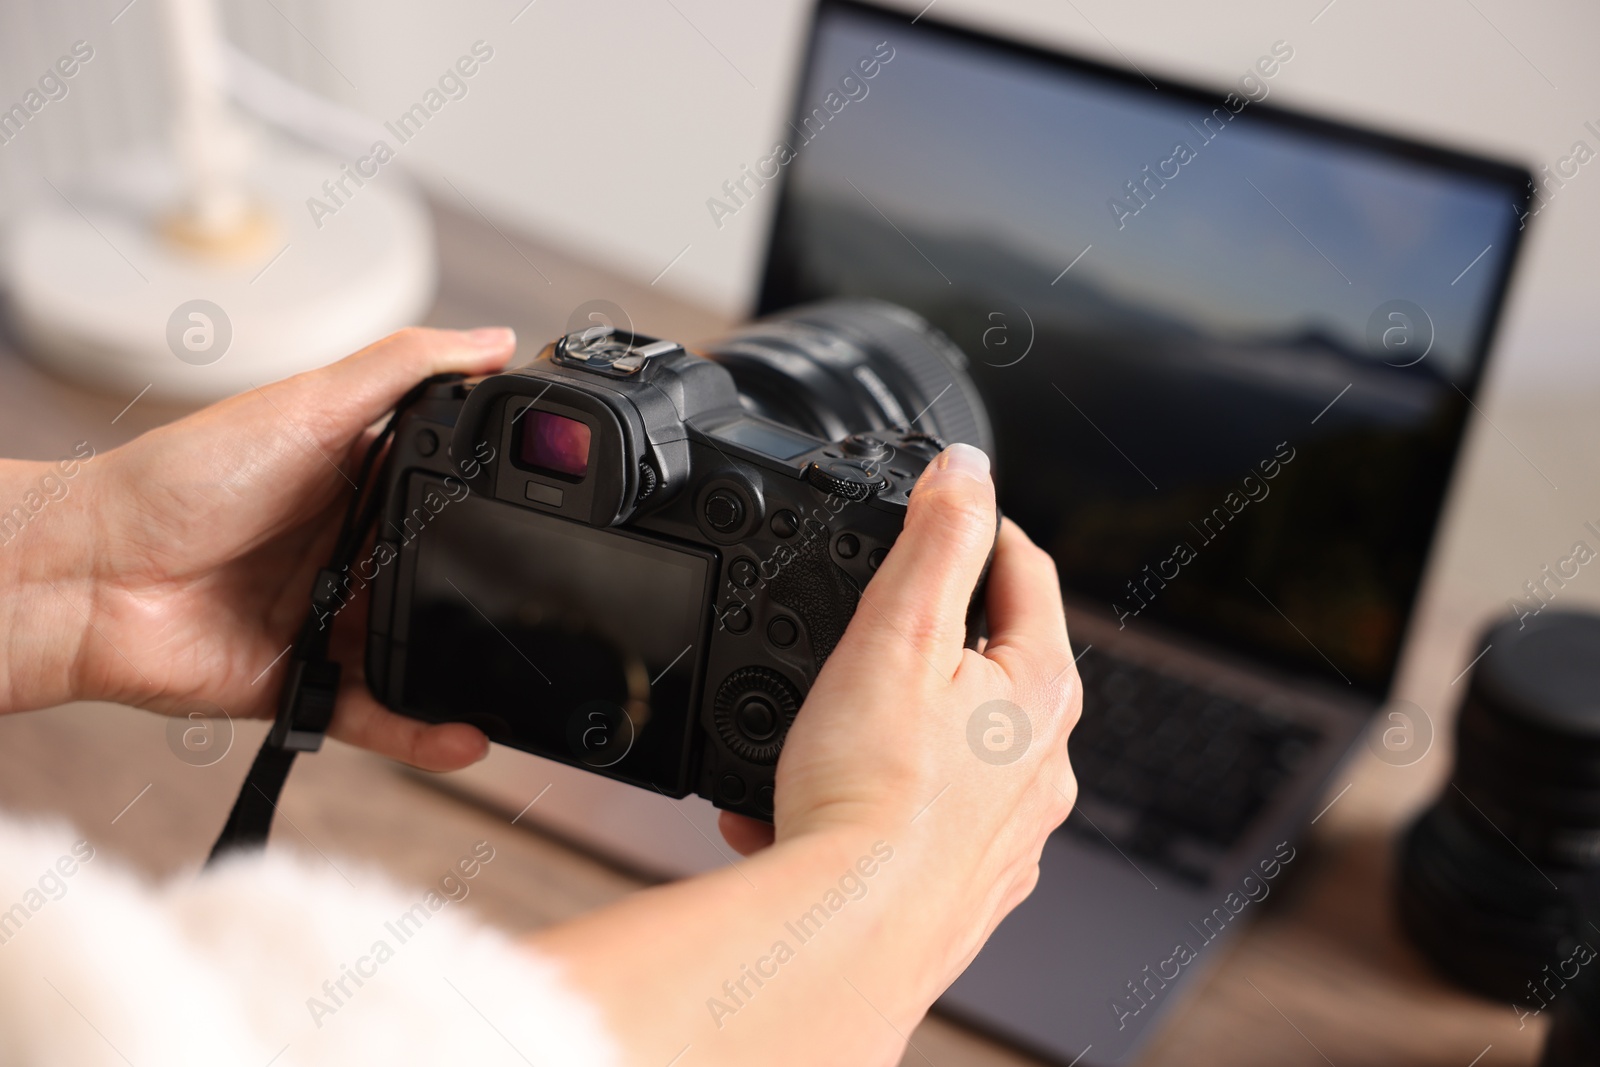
x,y
965,460
492,337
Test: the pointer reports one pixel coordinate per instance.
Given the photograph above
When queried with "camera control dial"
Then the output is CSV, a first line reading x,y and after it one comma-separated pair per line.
x,y
754,708
847,478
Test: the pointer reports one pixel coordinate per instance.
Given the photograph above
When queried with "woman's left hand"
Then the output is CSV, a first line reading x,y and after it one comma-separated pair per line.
x,y
179,566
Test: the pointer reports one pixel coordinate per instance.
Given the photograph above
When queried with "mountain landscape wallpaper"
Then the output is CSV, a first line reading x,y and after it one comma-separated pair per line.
x,y
1141,397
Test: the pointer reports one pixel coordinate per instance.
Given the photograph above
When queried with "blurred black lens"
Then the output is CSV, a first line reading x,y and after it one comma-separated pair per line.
x,y
1574,1038
847,366
1493,876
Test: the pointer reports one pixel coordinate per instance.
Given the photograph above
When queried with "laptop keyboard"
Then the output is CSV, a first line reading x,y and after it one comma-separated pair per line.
x,y
1171,773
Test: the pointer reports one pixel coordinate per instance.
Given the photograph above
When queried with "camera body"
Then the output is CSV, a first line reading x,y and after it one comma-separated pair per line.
x,y
612,558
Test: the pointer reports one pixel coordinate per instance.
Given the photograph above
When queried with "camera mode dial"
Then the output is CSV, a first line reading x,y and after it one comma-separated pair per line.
x,y
864,445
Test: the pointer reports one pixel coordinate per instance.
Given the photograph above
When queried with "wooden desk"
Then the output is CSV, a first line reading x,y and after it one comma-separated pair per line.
x,y
1344,988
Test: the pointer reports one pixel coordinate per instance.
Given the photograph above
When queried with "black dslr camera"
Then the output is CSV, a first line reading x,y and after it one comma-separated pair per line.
x,y
634,559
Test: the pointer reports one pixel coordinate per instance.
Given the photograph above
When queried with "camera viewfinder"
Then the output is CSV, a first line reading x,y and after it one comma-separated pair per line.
x,y
555,444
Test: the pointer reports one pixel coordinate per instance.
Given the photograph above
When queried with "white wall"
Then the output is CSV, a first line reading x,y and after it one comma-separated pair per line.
x,y
605,124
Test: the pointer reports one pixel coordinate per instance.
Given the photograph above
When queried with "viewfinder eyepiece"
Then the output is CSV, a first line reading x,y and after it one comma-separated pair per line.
x,y
555,444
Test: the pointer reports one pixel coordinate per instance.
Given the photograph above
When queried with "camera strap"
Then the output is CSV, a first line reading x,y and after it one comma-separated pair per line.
x,y
311,687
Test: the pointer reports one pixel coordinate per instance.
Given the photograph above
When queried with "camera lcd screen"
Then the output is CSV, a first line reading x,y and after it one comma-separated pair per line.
x,y
580,644
767,438
554,444
1227,349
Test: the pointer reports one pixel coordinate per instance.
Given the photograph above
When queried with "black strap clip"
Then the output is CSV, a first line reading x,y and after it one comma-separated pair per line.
x,y
306,707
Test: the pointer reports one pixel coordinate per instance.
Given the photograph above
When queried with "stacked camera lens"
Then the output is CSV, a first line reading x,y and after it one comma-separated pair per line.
x,y
1493,877
1574,1038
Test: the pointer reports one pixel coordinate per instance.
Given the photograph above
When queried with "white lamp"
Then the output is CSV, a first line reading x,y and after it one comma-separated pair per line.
x,y
198,271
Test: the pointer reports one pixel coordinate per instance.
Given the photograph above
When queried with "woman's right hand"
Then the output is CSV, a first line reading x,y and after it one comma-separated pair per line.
x,y
956,758
899,843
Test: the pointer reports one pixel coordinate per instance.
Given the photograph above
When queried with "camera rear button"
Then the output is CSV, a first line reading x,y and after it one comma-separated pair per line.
x,y
544,494
757,718
724,510
743,573
878,556
782,631
784,524
848,546
732,788
736,618
764,799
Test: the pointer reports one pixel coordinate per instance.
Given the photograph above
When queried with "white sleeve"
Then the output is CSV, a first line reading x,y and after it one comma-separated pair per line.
x,y
267,960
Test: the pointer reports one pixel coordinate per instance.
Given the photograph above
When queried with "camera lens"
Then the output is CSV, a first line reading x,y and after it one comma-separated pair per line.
x,y
842,367
1574,1036
1490,876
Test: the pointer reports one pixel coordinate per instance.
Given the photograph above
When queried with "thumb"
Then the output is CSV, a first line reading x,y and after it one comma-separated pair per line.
x,y
919,595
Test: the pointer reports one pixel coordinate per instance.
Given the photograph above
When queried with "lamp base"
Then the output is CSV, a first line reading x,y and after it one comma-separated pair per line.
x,y
99,290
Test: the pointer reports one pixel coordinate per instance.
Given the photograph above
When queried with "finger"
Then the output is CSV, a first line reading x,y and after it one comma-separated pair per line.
x,y
358,448
1026,620
359,720
344,397
920,593
744,834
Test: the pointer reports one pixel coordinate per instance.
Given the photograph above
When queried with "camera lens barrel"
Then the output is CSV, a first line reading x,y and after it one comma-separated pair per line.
x,y
841,367
1493,875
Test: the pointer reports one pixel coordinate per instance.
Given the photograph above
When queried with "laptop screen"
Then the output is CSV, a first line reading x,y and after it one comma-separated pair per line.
x,y
1228,350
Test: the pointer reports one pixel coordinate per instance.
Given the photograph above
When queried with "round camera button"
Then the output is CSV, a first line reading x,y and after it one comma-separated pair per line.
x,y
757,718
782,631
878,556
743,573
736,618
848,546
732,789
724,511
427,443
860,444
764,799
784,524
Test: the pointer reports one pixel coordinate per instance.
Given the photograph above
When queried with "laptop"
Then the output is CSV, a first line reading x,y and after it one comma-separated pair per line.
x,y
1229,351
